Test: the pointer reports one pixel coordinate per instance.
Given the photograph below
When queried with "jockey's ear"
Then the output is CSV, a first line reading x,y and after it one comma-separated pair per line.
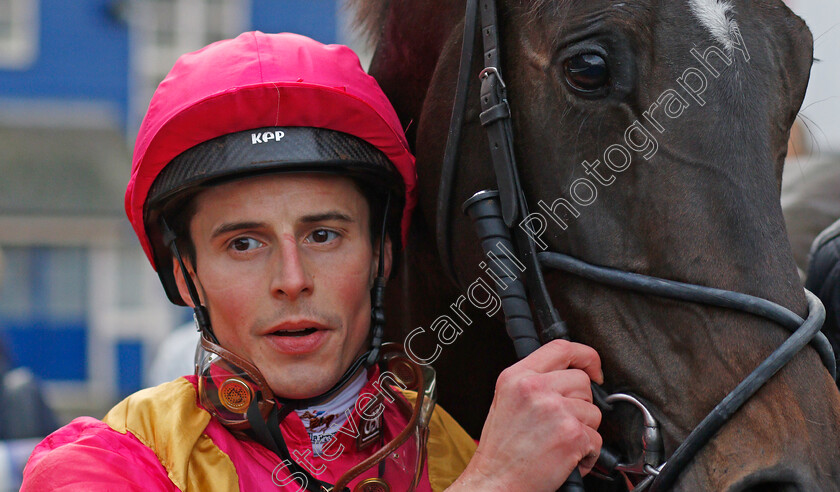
x,y
182,284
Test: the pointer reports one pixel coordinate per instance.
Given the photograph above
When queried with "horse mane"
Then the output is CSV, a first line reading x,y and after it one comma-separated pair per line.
x,y
369,18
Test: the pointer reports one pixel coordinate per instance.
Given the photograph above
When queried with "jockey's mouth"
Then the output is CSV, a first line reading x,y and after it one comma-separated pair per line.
x,y
298,337
295,333
297,328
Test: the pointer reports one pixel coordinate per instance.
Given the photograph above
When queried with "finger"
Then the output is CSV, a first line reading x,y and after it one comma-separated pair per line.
x,y
571,383
582,411
576,435
588,461
562,354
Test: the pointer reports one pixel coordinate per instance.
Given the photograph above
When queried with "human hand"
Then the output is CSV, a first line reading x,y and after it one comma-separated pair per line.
x,y
542,423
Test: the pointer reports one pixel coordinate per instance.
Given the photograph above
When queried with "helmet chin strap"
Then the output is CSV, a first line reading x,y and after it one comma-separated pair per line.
x,y
377,295
202,318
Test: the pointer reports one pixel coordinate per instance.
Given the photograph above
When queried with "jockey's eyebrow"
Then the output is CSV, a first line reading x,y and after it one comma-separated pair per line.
x,y
326,216
236,226
333,215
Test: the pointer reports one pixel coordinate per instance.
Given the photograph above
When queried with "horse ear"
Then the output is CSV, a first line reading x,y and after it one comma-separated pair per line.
x,y
795,52
791,53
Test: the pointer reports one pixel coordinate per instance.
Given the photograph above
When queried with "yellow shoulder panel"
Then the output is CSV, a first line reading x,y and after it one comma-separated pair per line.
x,y
450,448
166,419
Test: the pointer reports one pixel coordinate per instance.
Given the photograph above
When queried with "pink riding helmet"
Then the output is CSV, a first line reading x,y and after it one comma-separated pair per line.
x,y
262,88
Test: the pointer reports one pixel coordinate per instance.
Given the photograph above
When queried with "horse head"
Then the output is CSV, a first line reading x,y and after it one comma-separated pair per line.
x,y
650,137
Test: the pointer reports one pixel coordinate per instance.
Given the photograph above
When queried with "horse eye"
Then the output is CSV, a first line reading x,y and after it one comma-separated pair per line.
x,y
587,73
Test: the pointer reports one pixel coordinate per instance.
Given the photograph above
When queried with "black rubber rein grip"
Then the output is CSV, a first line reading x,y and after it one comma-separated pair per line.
x,y
486,213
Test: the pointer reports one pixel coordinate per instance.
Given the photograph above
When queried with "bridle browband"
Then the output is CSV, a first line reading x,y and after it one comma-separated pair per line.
x,y
494,214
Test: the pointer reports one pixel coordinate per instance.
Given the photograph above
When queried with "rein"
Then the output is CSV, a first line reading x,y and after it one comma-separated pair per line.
x,y
495,213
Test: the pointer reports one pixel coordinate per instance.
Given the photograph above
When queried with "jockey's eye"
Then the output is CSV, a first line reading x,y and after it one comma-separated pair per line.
x,y
321,236
244,244
587,74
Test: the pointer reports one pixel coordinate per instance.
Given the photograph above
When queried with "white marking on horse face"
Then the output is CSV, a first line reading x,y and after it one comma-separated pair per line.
x,y
714,16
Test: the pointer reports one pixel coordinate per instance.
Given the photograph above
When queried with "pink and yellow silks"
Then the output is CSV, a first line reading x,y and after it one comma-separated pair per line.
x,y
160,439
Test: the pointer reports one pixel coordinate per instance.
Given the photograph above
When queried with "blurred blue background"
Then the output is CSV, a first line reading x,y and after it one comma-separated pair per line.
x,y
80,309
81,313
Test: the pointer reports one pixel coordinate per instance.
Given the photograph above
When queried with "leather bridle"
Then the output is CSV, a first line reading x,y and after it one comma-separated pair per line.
x,y
495,214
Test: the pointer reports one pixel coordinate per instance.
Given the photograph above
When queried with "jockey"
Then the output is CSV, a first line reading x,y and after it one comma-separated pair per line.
x,y
271,182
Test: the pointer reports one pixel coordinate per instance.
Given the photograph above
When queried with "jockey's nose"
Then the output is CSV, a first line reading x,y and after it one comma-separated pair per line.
x,y
291,277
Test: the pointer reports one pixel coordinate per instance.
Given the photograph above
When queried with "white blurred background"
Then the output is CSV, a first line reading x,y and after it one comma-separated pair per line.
x,y
821,110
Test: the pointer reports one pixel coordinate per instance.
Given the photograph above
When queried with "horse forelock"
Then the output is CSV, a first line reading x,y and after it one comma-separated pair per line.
x,y
716,17
370,16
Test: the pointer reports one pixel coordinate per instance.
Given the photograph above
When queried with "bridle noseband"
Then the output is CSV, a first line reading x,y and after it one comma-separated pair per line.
x,y
494,214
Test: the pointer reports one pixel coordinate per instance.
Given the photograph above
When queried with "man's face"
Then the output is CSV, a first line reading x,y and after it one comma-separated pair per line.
x,y
284,265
